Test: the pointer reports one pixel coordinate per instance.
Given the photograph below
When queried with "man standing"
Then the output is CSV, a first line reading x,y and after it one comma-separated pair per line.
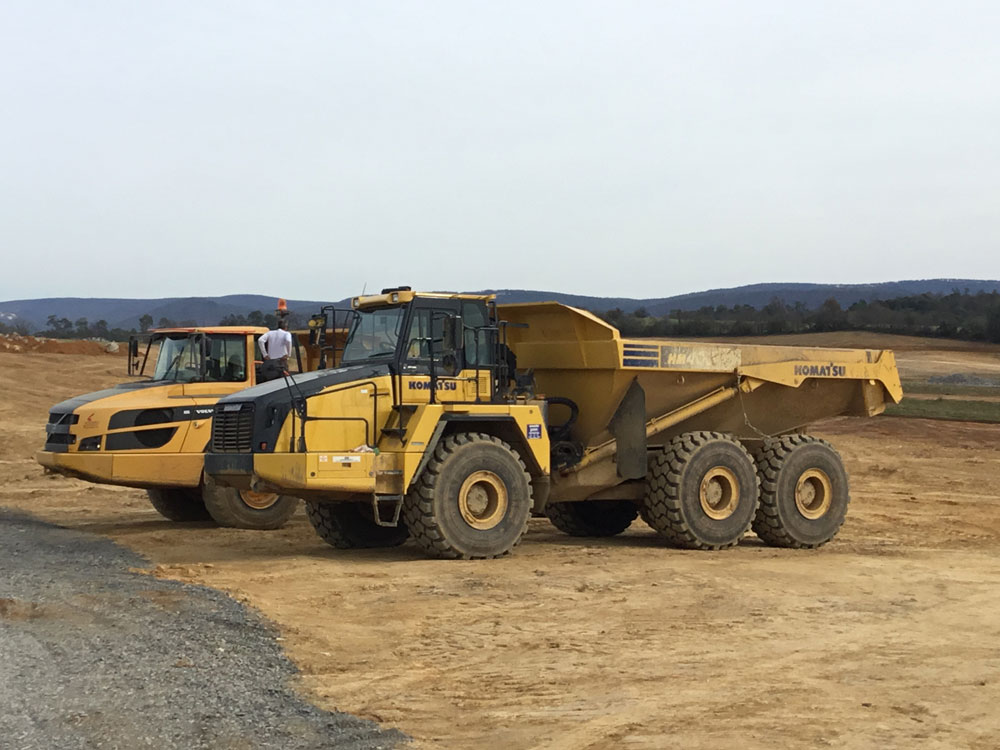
x,y
276,345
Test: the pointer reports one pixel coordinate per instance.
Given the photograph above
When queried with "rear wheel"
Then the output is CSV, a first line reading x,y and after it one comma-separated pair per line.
x,y
351,525
473,499
592,517
245,509
702,491
178,504
804,492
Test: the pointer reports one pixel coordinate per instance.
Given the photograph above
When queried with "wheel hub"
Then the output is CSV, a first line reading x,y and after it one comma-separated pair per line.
x,y
482,500
258,500
813,493
719,493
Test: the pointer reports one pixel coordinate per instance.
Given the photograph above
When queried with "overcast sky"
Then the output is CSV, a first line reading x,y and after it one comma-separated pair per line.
x,y
305,149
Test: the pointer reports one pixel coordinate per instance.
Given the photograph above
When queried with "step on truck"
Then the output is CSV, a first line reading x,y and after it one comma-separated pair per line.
x,y
153,433
452,420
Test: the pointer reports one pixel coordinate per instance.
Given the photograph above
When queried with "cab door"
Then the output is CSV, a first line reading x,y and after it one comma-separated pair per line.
x,y
432,347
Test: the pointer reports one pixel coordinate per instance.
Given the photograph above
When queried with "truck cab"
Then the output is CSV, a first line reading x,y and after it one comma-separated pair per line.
x,y
152,433
419,372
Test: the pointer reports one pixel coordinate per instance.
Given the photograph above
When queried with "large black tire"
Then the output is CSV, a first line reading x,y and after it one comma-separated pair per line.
x,y
351,525
472,501
242,509
592,517
803,492
178,504
702,491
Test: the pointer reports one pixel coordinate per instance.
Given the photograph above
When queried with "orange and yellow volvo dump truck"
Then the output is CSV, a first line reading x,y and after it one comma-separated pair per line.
x,y
153,433
451,420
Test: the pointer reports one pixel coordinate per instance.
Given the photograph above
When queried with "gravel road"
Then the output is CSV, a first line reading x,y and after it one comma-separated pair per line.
x,y
96,655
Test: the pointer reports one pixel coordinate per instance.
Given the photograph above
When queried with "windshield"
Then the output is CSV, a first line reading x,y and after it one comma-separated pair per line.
x,y
373,333
178,360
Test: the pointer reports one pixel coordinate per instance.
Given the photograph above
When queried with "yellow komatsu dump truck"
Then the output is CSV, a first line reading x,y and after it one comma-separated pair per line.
x,y
452,420
153,433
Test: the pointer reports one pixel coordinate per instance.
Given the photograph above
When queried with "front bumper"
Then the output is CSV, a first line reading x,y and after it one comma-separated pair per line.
x,y
131,470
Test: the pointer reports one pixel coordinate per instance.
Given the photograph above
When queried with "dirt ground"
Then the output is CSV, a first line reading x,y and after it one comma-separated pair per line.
x,y
888,637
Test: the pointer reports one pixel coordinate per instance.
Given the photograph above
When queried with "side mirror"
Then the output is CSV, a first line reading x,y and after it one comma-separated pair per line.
x,y
133,355
317,330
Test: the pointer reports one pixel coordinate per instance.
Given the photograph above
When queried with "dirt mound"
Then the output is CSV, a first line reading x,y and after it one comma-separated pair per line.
x,y
13,343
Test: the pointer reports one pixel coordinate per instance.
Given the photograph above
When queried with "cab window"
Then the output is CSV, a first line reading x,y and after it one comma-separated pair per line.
x,y
227,359
427,334
373,334
478,351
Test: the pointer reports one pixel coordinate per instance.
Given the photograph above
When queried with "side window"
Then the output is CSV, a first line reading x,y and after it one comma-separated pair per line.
x,y
227,361
427,333
477,342
418,344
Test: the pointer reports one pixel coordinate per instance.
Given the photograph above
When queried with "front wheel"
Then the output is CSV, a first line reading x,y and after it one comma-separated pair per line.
x,y
178,504
245,509
472,501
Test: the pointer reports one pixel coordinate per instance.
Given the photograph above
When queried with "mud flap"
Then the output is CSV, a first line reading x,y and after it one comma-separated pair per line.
x,y
628,426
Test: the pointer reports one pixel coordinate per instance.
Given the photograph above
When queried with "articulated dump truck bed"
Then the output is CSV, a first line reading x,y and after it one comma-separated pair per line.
x,y
636,393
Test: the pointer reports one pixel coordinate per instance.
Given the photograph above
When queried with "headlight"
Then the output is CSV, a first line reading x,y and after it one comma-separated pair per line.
x,y
90,444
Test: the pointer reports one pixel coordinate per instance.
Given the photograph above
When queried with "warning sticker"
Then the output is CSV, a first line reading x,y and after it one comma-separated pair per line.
x,y
534,432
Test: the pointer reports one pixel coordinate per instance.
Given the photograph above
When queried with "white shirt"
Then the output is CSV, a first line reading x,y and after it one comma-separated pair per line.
x,y
276,344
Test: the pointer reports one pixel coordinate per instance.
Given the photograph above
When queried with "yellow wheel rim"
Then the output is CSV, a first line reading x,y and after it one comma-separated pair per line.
x,y
482,500
719,493
813,493
258,500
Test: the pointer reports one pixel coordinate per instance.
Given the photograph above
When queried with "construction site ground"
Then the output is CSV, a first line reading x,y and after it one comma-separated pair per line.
x,y
888,637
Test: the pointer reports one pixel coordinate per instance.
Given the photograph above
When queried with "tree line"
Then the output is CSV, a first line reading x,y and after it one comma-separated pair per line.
x,y
57,327
959,315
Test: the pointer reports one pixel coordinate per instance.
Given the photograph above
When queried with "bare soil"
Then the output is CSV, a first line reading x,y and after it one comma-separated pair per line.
x,y
887,637
15,343
866,340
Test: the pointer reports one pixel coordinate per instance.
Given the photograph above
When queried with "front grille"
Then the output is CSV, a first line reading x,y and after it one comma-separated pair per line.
x,y
232,428
60,438
63,418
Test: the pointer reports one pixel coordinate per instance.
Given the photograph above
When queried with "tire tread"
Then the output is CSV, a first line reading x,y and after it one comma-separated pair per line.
x,y
769,459
418,507
662,505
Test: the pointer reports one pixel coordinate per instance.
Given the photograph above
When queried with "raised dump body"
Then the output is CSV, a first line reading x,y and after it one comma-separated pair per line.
x,y
428,430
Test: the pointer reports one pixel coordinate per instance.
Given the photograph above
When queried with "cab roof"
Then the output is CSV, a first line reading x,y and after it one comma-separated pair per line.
x,y
244,330
402,296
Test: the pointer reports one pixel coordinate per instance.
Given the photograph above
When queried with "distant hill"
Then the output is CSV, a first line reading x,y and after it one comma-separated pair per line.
x,y
758,295
125,313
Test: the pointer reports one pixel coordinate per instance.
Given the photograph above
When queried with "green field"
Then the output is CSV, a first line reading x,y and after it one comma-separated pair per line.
x,y
948,389
941,408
